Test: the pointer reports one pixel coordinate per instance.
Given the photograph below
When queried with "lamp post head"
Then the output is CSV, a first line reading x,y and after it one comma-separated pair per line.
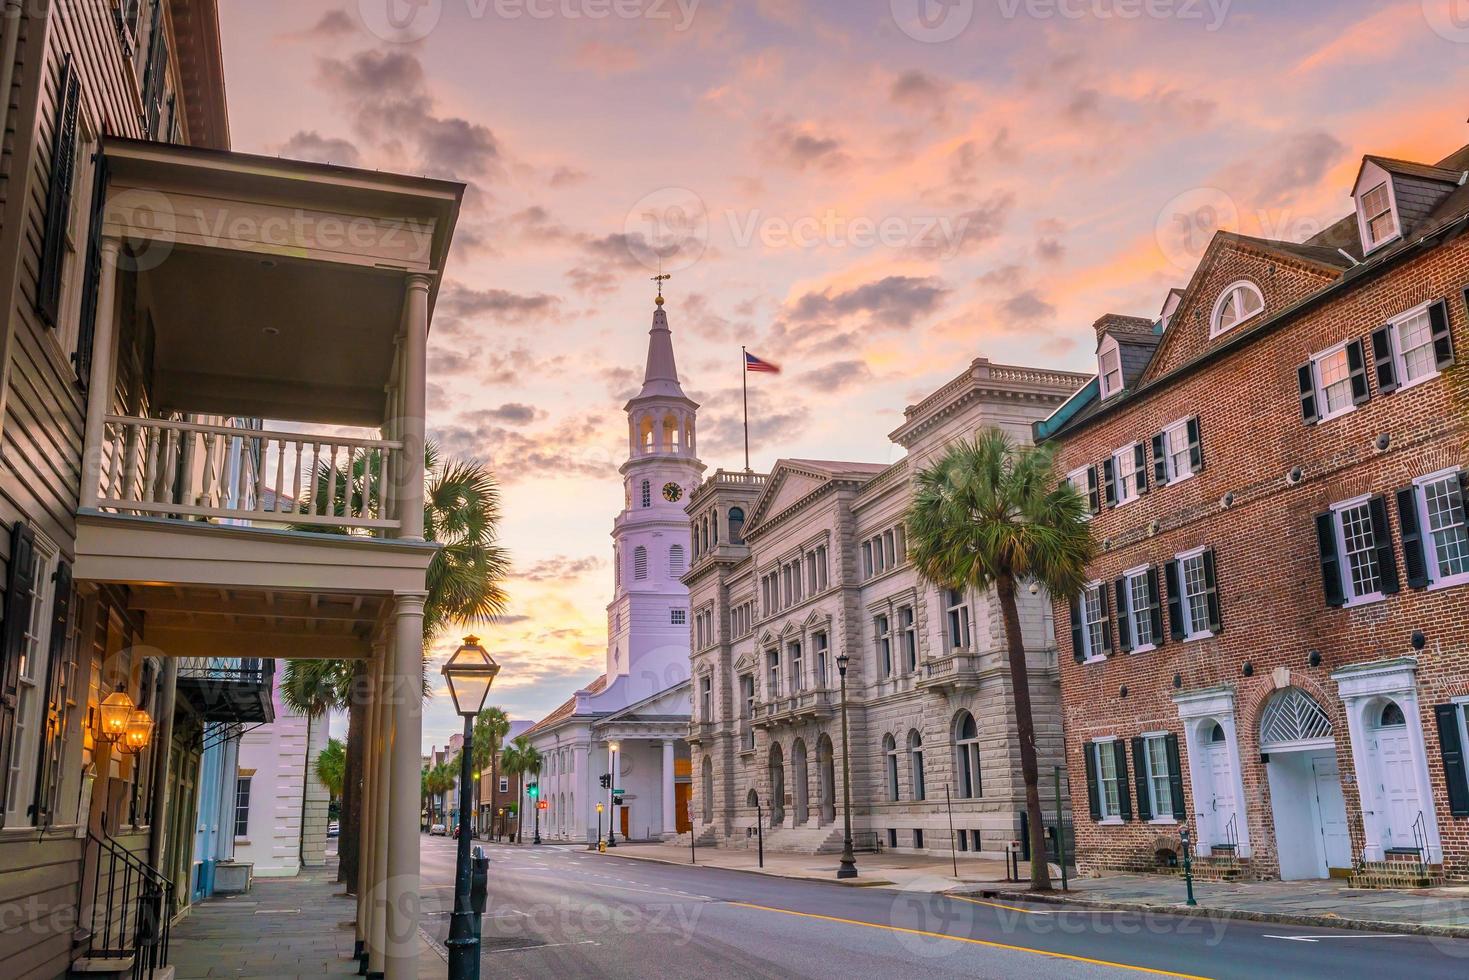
x,y
599,808
470,671
614,746
139,732
113,715
842,660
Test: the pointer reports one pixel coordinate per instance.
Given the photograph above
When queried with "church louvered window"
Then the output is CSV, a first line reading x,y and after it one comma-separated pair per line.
x,y
676,560
640,563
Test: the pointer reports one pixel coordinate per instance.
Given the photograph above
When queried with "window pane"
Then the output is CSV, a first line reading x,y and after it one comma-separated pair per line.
x,y
1107,776
1092,610
1415,340
1336,381
1158,777
1361,550
1446,526
1179,463
1140,615
1194,591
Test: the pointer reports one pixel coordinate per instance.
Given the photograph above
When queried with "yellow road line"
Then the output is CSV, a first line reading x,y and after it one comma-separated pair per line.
x,y
998,905
975,942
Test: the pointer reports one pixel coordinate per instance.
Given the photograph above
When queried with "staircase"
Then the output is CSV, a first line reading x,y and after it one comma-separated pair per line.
x,y
805,840
1221,867
1397,873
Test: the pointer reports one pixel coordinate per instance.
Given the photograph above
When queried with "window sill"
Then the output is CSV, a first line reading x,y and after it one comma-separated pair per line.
x,y
1205,635
1110,822
1093,660
1163,822
1415,382
1336,414
1179,479
1365,600
1145,648
1452,581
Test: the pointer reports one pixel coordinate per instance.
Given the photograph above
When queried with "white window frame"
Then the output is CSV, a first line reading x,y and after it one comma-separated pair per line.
x,y
1400,364
678,617
31,706
1343,560
1430,549
908,637
1078,481
1186,602
1108,816
706,698
1093,655
1109,347
1128,452
882,634
1364,220
956,620
1177,431
796,653
77,234
1139,574
235,807
1157,743
1322,411
1224,296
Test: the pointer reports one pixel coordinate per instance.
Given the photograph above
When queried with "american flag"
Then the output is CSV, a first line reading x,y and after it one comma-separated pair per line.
x,y
754,364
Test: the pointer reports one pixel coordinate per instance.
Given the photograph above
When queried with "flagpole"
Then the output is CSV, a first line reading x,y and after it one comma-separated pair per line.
x,y
745,387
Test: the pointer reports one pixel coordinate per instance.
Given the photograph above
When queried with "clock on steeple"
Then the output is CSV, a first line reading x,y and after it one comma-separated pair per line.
x,y
672,492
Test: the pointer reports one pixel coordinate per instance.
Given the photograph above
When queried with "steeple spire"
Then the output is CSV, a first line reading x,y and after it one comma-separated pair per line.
x,y
661,377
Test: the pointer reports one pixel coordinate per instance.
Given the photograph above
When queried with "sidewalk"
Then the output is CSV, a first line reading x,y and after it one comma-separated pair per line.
x,y
1425,911
908,871
284,927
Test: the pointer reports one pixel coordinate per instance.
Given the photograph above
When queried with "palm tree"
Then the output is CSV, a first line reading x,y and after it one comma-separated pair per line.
x,y
490,728
331,767
520,759
461,512
992,514
311,688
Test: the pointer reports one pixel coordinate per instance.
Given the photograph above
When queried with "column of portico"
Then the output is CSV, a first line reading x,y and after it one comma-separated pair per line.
x,y
581,785
372,850
670,818
404,758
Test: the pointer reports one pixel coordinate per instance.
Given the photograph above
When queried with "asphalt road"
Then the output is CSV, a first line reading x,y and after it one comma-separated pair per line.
x,y
561,912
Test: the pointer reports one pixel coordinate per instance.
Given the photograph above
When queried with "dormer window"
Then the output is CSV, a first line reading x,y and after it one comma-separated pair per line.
x,y
1379,222
1238,303
1109,368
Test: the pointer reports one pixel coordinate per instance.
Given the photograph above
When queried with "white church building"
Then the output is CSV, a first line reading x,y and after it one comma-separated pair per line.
x,y
638,710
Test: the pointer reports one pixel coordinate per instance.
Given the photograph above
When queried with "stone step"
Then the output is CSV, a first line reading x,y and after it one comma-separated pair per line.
x,y
1397,874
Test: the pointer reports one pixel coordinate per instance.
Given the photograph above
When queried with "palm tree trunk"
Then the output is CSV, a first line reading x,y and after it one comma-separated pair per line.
x,y
1040,872
351,822
520,808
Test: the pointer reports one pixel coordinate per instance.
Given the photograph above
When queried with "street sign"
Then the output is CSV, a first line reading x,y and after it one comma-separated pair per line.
x,y
618,792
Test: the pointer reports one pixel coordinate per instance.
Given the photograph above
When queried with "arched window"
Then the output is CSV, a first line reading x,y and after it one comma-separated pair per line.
x,y
704,533
675,561
890,763
1216,734
1239,302
1292,716
915,764
640,563
966,747
714,528
1391,717
736,526
647,494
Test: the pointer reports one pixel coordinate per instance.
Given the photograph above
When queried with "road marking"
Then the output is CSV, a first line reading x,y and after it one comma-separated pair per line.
x,y
277,911
997,905
522,949
976,942
1317,939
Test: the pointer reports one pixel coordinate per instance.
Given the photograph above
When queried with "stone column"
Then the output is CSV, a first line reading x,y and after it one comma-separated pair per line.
x,y
104,355
405,757
670,819
367,804
411,426
380,744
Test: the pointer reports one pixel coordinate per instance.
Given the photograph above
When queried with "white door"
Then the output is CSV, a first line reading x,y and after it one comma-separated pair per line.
x,y
1397,787
1221,789
1331,812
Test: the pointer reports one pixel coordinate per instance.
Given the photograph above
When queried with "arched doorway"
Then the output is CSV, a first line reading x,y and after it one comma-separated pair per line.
x,y
777,786
1310,813
1392,764
802,776
1218,809
827,776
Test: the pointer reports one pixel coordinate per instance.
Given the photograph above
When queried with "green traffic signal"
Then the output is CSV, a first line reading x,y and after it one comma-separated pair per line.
x,y
533,791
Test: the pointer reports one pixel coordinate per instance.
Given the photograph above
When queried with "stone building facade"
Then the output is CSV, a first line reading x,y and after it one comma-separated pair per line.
x,y
1273,652
792,568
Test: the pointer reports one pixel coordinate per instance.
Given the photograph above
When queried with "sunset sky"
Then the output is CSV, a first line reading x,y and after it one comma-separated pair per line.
x,y
865,196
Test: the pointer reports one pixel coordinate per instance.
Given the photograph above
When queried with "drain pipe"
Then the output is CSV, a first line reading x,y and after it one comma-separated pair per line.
x,y
9,44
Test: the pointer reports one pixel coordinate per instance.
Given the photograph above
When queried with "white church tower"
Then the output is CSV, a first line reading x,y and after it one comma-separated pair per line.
x,y
648,629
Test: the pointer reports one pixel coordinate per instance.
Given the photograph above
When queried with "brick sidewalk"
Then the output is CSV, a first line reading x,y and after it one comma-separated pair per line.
x,y
1425,911
283,928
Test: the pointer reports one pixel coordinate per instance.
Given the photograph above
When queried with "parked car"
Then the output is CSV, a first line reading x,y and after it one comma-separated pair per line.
x,y
333,829
439,829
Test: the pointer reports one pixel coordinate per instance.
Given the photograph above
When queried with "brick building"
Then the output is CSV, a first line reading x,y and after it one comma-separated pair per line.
x,y
1273,651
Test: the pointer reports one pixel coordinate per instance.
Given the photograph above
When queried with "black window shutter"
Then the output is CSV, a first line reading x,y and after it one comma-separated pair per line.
x,y
1175,600
1195,445
1330,559
153,72
1443,340
1109,482
58,194
1124,794
1175,775
1160,459
1155,607
1093,496
92,275
1093,791
20,574
1415,560
1211,595
1106,650
1357,364
1464,495
1451,748
1140,466
60,631
1078,638
1306,377
1387,564
1382,359
1140,777
1124,627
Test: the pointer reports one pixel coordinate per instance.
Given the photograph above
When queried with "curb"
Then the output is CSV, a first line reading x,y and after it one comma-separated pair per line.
x,y
859,883
1245,915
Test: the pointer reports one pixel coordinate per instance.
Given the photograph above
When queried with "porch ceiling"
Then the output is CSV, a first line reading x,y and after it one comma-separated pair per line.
x,y
208,622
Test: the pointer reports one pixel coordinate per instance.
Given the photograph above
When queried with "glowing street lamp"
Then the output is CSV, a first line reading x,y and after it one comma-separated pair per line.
x,y
139,732
113,716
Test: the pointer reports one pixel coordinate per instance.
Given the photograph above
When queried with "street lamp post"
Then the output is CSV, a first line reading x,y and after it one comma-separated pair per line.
x,y
599,826
469,672
612,798
848,866
536,810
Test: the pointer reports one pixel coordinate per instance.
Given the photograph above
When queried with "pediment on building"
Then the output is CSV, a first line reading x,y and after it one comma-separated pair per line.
x,y
745,664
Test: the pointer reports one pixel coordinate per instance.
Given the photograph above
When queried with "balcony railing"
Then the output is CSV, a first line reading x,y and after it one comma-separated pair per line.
x,y
229,689
227,473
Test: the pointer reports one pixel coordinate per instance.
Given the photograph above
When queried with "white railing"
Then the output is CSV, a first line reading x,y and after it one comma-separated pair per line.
x,y
242,474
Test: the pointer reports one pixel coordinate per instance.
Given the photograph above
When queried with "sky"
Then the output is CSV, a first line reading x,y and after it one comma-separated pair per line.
x,y
871,193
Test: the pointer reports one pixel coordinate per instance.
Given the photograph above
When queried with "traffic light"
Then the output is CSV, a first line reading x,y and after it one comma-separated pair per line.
x,y
533,791
606,780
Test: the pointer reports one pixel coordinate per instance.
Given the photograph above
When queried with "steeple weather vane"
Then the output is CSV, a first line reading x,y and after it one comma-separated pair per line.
x,y
660,279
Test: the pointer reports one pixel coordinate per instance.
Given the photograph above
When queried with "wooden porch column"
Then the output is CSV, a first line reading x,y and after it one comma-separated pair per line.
x,y
367,806
412,422
378,908
99,382
405,753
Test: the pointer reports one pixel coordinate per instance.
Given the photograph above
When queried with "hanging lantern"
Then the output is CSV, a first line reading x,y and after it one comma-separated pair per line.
x,y
139,732
113,716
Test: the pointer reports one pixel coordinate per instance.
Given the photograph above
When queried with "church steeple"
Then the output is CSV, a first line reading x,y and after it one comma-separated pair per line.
x,y
660,379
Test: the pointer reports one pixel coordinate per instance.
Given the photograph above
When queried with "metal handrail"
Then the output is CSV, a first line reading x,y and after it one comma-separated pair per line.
x,y
136,923
1420,838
